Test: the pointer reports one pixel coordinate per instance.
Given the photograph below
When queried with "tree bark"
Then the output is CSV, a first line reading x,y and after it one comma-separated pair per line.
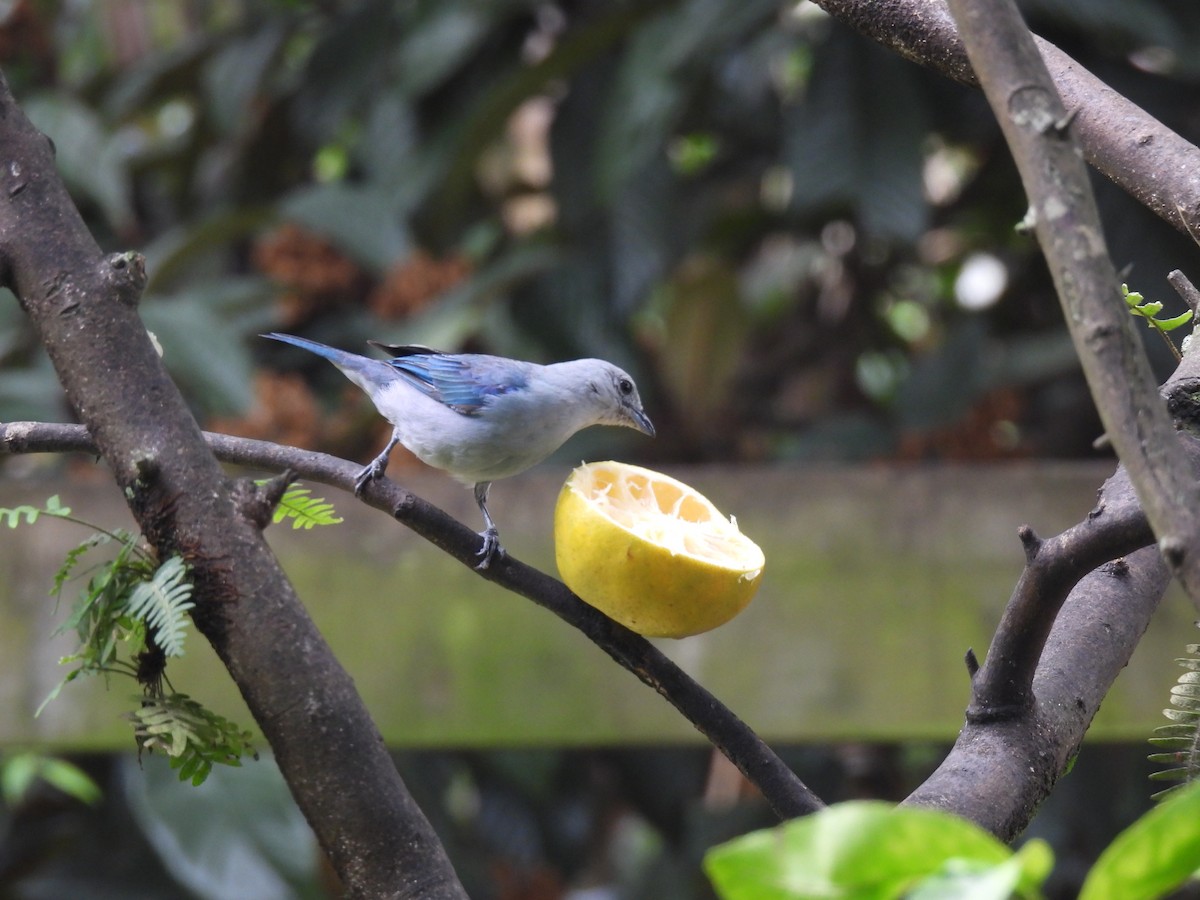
x,y
1039,688
83,306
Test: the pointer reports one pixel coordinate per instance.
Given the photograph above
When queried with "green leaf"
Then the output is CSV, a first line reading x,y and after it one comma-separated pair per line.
x,y
440,38
657,79
1151,857
70,779
74,555
20,772
13,515
54,507
859,849
195,738
1021,875
1177,322
17,775
304,511
162,602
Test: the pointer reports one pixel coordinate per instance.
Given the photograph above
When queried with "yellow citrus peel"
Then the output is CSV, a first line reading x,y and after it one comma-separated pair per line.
x,y
651,552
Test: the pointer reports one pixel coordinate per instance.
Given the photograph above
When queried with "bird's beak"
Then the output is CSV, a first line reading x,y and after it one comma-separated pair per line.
x,y
639,420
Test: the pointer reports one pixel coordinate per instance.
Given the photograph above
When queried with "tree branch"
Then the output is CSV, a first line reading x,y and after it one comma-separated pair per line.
x,y
1003,687
1035,698
1020,737
1186,290
83,307
1121,140
1040,686
787,795
999,771
1037,127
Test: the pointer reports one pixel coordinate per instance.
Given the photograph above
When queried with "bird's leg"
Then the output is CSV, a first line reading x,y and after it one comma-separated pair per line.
x,y
376,467
491,548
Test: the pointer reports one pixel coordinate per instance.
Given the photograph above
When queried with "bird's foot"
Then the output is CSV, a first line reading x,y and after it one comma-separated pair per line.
x,y
490,550
369,473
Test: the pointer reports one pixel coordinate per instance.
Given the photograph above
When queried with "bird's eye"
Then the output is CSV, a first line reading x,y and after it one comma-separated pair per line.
x,y
625,386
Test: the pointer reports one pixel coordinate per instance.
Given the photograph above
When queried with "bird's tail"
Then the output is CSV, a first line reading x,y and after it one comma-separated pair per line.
x,y
367,373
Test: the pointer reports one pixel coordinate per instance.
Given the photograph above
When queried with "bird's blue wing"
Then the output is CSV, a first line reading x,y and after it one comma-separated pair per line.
x,y
463,382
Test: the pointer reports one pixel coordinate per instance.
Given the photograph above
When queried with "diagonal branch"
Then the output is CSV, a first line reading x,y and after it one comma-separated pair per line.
x,y
1038,130
1048,669
999,771
1056,654
787,795
1061,643
1003,688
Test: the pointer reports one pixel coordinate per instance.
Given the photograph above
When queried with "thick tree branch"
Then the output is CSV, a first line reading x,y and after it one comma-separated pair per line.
x,y
1121,140
1037,127
1025,725
83,307
999,772
1021,735
1003,688
786,794
1035,698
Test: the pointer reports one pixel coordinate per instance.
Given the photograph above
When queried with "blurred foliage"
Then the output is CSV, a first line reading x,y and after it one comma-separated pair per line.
x,y
631,823
801,245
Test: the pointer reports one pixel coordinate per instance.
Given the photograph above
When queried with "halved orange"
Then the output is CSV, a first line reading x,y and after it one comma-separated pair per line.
x,y
651,552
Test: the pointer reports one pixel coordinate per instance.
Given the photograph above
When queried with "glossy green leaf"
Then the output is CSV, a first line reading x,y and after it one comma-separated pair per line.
x,y
1022,875
1176,321
859,849
1153,856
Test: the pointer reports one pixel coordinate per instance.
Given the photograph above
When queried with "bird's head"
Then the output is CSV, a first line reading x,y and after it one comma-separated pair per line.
x,y
616,397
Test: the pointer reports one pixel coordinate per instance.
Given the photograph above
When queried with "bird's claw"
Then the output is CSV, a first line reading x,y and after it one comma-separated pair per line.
x,y
490,550
366,476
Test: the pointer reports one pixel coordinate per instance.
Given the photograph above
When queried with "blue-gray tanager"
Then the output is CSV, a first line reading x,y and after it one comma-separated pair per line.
x,y
479,417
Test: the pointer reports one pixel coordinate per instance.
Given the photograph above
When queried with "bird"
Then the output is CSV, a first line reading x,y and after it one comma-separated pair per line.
x,y
481,418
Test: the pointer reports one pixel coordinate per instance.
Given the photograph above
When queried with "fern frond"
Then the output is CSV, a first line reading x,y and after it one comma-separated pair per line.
x,y
74,555
193,737
1179,744
99,616
305,511
163,602
13,515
